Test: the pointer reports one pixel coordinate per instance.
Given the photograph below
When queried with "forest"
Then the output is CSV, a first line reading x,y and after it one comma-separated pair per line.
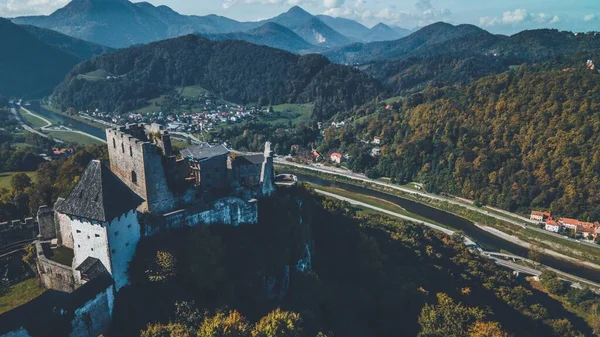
x,y
234,70
523,139
318,267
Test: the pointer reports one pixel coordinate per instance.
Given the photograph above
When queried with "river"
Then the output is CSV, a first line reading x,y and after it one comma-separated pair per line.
x,y
484,239
68,121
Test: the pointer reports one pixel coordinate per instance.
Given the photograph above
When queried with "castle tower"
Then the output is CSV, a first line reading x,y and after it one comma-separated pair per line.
x,y
267,173
104,223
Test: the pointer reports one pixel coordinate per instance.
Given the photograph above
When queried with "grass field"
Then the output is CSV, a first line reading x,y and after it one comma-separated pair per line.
x,y
393,100
192,91
71,137
20,294
5,178
284,113
32,121
95,75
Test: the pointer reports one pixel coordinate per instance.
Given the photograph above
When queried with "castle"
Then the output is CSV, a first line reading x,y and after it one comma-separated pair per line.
x,y
144,189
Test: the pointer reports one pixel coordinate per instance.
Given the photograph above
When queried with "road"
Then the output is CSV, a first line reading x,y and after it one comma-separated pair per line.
x,y
498,258
489,211
26,127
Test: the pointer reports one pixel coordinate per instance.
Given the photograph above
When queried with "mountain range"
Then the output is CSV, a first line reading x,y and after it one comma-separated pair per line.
x,y
34,60
121,23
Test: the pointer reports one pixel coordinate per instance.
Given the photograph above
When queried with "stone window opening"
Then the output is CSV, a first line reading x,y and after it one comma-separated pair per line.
x,y
92,249
116,233
114,251
133,177
114,143
122,147
78,231
97,235
130,151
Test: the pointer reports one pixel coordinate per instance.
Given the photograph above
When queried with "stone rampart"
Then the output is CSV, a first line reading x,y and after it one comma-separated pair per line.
x,y
53,274
17,230
230,211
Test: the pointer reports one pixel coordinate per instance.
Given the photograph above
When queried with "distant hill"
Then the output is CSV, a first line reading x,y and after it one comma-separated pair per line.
x,y
80,48
310,28
120,23
442,54
426,37
270,34
28,66
346,27
382,32
235,70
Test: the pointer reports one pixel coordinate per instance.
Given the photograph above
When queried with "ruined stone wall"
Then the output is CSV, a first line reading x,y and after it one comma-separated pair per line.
x,y
143,167
95,316
267,175
214,176
17,230
46,225
127,156
65,232
230,211
52,274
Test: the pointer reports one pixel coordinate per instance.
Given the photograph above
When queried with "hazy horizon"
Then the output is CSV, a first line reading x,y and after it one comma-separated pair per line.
x,y
507,17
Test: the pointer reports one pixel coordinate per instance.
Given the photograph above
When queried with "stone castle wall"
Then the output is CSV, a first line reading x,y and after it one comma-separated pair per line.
x,y
17,230
230,211
52,274
95,316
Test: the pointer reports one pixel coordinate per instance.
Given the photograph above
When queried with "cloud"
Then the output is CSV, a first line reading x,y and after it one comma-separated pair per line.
x,y
519,17
333,3
426,13
589,17
11,8
229,3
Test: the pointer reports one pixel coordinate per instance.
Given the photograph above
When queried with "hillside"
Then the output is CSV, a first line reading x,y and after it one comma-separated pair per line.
x,y
270,34
423,40
443,54
333,271
238,71
518,140
28,66
80,48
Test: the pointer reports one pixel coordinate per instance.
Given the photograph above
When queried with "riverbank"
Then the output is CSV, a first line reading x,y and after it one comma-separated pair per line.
x,y
585,259
61,132
81,119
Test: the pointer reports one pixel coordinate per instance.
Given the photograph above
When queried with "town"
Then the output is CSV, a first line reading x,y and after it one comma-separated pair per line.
x,y
571,227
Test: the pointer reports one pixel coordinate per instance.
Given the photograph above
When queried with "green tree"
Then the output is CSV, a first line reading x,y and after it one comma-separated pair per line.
x,y
20,182
552,283
279,323
486,329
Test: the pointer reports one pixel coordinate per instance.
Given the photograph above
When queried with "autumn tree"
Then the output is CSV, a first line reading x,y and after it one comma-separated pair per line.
x,y
279,323
230,324
447,318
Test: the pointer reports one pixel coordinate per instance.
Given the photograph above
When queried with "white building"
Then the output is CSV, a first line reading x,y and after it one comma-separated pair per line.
x,y
104,224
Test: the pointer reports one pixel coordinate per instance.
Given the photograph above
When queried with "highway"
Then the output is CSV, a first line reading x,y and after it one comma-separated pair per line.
x,y
468,204
499,258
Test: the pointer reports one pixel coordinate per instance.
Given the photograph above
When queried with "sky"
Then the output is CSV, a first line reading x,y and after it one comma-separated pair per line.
x,y
498,16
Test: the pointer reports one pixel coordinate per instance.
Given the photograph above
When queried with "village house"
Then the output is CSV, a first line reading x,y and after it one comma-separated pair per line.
x,y
552,226
317,155
539,216
336,157
377,140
